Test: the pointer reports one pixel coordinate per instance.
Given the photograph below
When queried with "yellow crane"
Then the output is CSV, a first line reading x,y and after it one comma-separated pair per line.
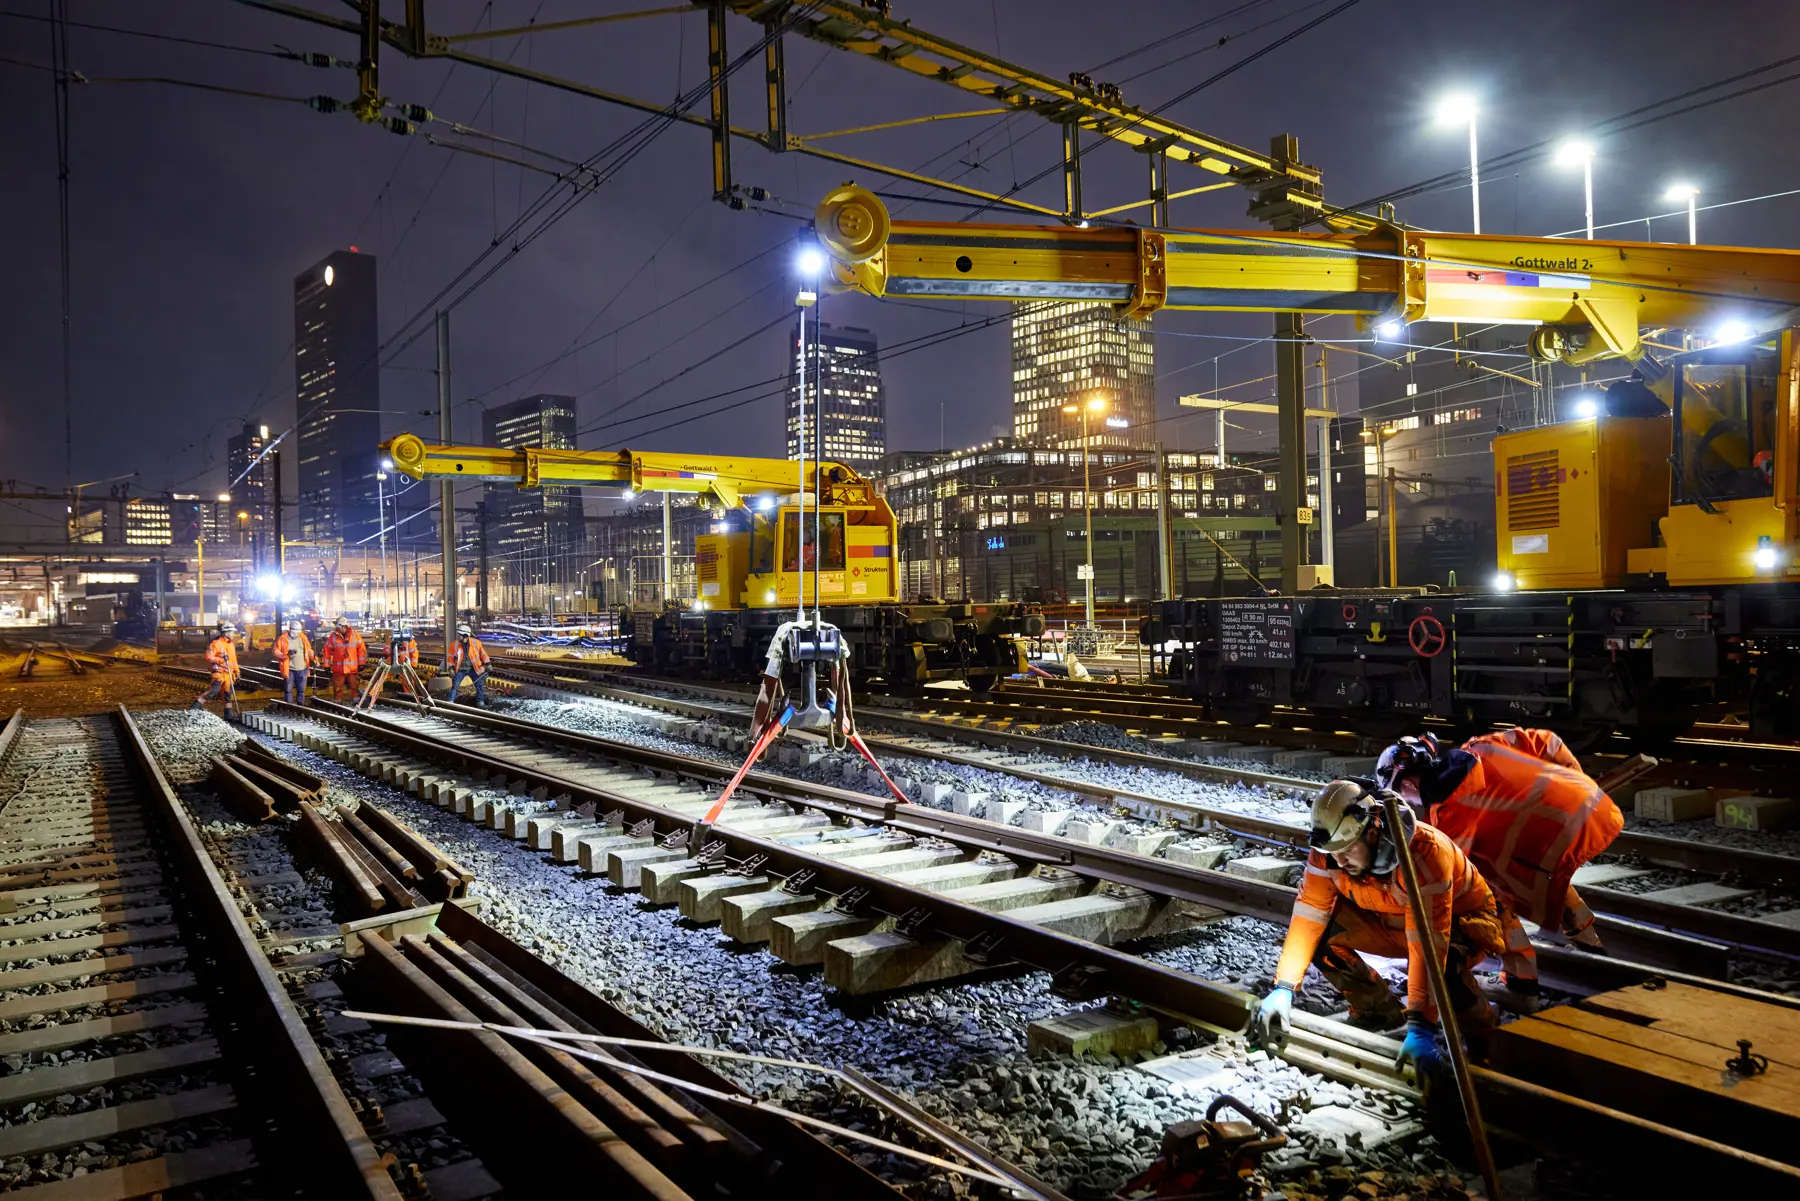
x,y
760,558
1582,504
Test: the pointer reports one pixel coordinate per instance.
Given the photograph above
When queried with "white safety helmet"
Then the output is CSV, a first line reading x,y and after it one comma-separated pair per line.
x,y
463,631
1341,812
293,627
343,623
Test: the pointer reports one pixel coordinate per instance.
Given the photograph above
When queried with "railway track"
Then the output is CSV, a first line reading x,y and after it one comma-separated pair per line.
x,y
1698,935
133,994
625,811
173,996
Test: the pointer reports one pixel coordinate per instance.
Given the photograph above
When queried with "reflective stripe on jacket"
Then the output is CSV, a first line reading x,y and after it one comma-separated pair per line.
x,y
1527,820
293,655
1449,881
346,651
478,656
221,652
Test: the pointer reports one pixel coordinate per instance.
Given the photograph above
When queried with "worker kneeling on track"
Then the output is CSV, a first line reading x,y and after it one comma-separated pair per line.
x,y
1519,805
1353,899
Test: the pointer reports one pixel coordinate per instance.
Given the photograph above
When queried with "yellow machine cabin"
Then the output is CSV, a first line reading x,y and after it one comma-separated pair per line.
x,y
760,555
1704,492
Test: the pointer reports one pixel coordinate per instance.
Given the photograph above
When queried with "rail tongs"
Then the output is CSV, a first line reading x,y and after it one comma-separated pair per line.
x,y
802,650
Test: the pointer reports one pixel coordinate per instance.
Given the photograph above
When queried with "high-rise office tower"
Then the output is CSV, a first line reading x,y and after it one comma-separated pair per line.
x,y
248,481
338,397
1072,353
531,531
847,384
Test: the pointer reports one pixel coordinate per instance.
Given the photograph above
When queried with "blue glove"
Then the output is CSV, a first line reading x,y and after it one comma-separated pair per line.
x,y
1269,1026
1419,1048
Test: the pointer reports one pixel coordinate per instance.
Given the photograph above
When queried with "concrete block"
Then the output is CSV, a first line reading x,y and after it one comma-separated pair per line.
x,y
1091,830
564,836
1047,821
1599,875
623,867
1096,918
1343,767
1672,804
801,938
968,803
1198,854
702,898
1142,844
1091,1032
1214,748
1301,760
480,807
1003,812
1266,868
933,793
499,816
463,804
1254,754
884,961
948,876
1012,894
659,880
916,856
854,848
746,917
591,853
768,827
1756,813
1707,893
1787,918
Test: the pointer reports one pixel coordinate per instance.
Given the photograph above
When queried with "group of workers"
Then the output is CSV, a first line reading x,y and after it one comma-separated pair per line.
x,y
1496,828
343,653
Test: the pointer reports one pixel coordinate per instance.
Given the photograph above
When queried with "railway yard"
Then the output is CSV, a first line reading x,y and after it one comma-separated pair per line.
x,y
413,939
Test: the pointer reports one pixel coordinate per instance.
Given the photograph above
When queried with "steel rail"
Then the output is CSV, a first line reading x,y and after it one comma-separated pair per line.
x,y
340,1154
934,914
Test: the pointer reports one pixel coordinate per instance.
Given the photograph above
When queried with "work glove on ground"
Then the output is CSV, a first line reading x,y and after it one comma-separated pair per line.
x,y
1274,1016
1419,1049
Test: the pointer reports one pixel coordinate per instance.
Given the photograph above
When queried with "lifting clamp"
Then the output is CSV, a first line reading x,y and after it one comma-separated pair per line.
x,y
815,657
409,679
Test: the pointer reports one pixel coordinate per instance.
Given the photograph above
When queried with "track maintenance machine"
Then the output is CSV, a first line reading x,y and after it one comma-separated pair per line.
x,y
1651,553
755,574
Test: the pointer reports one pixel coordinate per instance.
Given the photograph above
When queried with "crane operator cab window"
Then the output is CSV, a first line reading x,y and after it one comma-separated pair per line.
x,y
762,544
831,532
1725,427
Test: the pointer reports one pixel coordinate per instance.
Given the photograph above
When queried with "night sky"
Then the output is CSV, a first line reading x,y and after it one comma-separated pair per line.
x,y
192,212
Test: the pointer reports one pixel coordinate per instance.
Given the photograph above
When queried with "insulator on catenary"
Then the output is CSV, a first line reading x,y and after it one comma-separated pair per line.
x,y
324,104
398,125
416,112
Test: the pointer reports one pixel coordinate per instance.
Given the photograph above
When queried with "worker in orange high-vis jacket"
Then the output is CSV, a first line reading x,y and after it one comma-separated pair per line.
x,y
1353,899
294,655
345,652
221,657
1518,803
468,659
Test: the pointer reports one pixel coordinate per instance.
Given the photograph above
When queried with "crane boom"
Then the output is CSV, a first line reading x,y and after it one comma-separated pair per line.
x,y
1588,298
729,477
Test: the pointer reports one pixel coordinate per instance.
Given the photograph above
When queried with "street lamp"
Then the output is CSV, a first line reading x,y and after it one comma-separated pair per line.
x,y
1688,192
1461,109
1577,151
1095,405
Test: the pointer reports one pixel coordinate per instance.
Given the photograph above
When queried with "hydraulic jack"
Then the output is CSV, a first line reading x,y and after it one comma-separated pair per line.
x,y
804,652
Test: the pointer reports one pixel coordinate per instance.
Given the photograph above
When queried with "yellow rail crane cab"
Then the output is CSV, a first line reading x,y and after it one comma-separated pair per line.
x,y
756,566
1693,480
